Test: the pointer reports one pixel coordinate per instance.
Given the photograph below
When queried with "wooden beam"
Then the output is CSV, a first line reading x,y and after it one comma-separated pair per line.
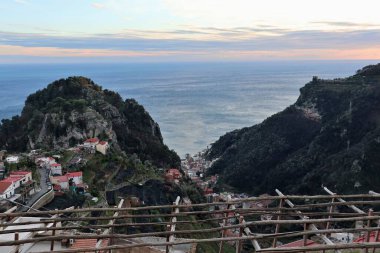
x,y
246,230
280,205
311,226
353,207
173,220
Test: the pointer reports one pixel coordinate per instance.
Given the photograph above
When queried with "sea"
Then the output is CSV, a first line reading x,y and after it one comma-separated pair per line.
x,y
194,103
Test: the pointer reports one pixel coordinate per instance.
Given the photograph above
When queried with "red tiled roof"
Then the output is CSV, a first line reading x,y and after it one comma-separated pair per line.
x,y
4,186
87,243
298,243
92,140
74,174
103,143
57,187
372,238
61,179
56,165
12,179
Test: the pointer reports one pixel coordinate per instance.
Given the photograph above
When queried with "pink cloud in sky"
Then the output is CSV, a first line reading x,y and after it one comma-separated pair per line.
x,y
246,55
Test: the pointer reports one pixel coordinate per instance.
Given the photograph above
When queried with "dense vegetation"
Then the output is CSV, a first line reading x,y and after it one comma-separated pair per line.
x,y
71,110
330,136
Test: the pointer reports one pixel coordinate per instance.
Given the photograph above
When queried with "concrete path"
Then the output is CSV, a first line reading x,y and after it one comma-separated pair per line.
x,y
44,189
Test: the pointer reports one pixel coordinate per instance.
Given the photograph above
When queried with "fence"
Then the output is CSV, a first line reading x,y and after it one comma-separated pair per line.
x,y
282,223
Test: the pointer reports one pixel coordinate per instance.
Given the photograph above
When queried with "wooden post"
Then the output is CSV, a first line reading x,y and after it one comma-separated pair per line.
x,y
376,240
224,231
331,208
280,205
311,226
305,236
53,234
239,243
168,227
368,234
18,246
173,220
330,211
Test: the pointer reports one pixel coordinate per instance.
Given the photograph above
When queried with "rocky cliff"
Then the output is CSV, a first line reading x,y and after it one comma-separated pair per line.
x,y
330,136
68,111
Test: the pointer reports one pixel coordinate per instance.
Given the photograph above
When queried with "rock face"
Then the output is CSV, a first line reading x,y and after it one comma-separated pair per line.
x,y
330,136
71,110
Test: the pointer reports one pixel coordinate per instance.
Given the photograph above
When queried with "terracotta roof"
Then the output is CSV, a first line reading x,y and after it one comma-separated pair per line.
x,y
4,186
56,165
103,143
57,187
61,179
75,174
92,140
12,179
372,238
87,243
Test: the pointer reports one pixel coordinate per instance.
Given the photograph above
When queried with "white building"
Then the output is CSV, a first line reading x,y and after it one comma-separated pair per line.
x,y
102,147
56,169
61,181
12,159
7,189
91,143
343,237
77,177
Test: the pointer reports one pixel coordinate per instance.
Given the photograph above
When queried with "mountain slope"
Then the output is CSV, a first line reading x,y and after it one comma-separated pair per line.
x,y
71,110
330,136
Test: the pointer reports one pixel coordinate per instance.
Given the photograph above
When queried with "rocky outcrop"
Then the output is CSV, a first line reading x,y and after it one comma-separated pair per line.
x,y
68,111
330,136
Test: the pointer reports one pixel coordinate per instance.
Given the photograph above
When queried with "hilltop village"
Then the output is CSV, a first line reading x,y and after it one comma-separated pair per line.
x,y
27,177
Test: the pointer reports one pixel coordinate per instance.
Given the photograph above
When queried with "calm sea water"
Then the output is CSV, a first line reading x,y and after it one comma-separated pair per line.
x,y
194,103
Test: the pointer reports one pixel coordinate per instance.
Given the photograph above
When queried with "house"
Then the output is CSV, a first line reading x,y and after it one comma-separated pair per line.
x,y
62,181
88,243
56,169
91,143
17,181
12,159
77,177
343,237
7,189
45,161
102,147
26,175
174,173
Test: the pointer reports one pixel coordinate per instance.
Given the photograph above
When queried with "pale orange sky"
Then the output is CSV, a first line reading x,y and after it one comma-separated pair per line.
x,y
183,30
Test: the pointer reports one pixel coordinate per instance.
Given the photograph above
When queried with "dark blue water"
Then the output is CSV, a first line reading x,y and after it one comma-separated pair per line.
x,y
194,103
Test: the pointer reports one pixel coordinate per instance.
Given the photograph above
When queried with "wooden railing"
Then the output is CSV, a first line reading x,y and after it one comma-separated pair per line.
x,y
310,215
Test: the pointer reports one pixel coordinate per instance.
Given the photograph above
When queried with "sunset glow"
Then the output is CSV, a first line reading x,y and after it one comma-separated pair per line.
x,y
181,30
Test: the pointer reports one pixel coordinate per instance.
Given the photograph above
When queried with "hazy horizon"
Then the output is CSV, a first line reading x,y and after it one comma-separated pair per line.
x,y
181,30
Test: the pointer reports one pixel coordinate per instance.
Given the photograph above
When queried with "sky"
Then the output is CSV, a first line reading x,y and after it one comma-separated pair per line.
x,y
188,30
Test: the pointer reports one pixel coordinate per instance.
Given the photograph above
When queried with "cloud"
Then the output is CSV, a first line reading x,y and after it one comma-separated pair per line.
x,y
21,1
233,39
347,24
98,5
216,43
